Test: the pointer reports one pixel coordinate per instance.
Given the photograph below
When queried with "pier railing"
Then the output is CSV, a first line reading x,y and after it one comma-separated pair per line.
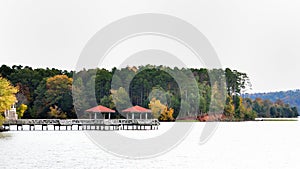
x,y
100,124
80,121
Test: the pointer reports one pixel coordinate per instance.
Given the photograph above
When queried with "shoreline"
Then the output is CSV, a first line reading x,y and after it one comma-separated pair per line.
x,y
276,119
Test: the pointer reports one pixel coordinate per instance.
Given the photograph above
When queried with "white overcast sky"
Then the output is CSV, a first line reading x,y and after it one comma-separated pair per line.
x,y
258,37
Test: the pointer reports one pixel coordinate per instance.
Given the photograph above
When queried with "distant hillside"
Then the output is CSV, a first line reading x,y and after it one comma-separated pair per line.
x,y
292,97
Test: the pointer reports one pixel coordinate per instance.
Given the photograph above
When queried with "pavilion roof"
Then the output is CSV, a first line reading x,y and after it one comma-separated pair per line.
x,y
136,109
100,109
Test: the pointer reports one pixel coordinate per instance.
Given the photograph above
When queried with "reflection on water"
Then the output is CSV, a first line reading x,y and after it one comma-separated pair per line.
x,y
4,135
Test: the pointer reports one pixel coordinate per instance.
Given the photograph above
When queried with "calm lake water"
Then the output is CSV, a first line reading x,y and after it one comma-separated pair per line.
x,y
241,145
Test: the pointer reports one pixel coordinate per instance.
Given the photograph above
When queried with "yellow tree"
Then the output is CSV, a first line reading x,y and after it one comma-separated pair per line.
x,y
55,112
161,111
167,114
7,96
156,107
229,108
21,109
59,93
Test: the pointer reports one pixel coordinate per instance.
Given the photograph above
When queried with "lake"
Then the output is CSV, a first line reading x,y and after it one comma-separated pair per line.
x,y
238,145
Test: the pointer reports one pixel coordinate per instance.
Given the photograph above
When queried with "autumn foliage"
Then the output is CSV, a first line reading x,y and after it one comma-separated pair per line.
x,y
161,111
7,96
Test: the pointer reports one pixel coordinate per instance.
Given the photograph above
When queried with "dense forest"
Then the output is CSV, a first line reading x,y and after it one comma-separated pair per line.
x,y
291,97
172,92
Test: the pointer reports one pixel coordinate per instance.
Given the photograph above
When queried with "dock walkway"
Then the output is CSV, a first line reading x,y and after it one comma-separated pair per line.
x,y
83,124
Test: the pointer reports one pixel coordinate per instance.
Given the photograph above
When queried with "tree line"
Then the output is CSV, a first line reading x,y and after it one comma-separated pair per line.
x,y
173,92
291,97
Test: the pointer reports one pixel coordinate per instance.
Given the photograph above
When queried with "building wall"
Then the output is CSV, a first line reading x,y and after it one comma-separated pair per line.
x,y
11,114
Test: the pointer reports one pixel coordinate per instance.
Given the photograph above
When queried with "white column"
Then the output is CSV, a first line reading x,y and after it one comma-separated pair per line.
x,y
140,115
108,115
95,115
146,115
132,115
126,115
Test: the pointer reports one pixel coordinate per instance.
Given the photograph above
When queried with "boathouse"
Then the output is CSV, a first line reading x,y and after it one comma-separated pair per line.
x,y
11,114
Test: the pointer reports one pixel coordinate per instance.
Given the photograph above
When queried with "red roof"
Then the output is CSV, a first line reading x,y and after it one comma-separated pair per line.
x,y
101,109
136,109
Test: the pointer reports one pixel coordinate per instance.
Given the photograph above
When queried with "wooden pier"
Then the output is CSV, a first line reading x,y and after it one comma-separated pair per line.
x,y
82,124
